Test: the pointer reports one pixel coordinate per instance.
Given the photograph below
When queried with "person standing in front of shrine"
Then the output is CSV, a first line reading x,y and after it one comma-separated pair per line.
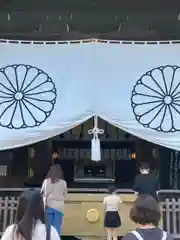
x,y
30,223
146,213
146,182
54,190
112,220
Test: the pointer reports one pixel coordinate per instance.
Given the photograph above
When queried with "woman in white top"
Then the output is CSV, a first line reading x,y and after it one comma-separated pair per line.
x,y
54,190
112,219
30,220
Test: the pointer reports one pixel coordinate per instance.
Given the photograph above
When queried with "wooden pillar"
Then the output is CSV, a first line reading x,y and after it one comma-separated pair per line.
x,y
40,159
43,155
20,161
144,152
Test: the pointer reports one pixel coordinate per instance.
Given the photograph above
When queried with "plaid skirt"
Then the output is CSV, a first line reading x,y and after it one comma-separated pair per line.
x,y
112,219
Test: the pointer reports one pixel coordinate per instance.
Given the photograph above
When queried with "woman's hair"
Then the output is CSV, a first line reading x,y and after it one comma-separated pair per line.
x,y
30,208
55,173
146,210
111,189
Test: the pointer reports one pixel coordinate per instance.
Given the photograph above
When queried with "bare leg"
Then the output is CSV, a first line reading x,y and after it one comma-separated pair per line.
x,y
109,233
114,234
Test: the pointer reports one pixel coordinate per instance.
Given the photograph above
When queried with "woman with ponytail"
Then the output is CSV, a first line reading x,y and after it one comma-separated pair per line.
x,y
30,220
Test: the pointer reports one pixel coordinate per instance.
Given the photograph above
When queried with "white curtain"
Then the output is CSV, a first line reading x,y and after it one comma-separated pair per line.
x,y
141,89
48,89
43,91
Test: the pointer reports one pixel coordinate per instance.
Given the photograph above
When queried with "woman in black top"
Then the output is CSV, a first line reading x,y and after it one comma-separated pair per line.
x,y
146,213
145,182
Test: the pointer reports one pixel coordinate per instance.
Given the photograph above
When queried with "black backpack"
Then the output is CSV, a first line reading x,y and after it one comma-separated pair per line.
x,y
139,237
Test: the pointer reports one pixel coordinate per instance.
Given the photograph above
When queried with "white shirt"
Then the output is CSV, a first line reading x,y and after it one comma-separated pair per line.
x,y
112,203
39,233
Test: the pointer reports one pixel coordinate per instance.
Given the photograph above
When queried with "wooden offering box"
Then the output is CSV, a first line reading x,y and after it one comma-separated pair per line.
x,y
84,215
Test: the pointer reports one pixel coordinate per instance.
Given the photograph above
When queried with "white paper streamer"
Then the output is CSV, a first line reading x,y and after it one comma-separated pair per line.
x,y
95,142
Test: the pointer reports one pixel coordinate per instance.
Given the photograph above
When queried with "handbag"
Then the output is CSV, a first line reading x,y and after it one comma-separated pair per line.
x,y
44,193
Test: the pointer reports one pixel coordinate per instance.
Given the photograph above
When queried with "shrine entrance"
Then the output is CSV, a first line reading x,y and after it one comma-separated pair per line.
x,y
121,154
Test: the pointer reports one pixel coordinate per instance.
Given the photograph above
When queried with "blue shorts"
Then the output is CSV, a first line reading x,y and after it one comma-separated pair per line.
x,y
54,218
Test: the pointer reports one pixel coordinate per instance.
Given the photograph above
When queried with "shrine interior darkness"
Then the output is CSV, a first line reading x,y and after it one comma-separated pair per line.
x,y
121,154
